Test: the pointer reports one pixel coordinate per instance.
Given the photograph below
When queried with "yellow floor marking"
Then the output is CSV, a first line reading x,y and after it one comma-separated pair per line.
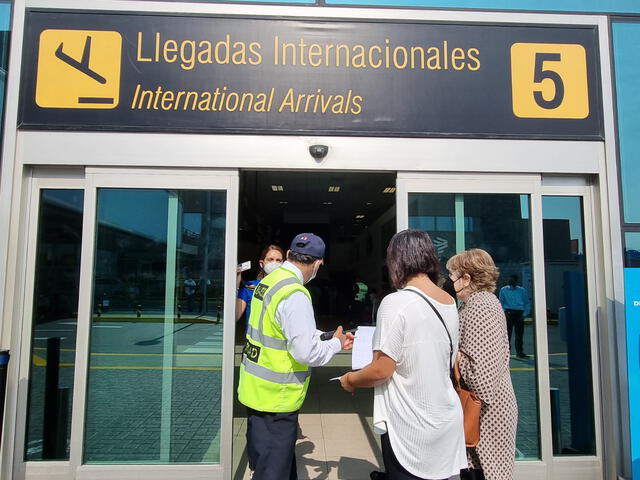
x,y
39,361
141,354
158,354
548,354
107,367
62,349
531,369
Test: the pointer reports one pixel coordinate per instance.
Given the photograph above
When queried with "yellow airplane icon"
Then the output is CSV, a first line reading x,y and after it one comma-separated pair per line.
x,y
79,69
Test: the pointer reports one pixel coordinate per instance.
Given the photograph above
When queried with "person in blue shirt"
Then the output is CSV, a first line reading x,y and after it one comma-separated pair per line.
x,y
516,305
270,259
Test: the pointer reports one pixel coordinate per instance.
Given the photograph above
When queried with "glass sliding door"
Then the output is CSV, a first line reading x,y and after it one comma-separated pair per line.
x,y
501,225
54,324
536,229
154,387
568,326
130,308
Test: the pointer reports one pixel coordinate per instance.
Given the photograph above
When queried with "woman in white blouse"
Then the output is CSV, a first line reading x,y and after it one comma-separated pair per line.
x,y
416,408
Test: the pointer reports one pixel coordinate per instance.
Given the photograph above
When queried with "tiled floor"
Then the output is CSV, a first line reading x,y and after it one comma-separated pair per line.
x,y
331,446
336,439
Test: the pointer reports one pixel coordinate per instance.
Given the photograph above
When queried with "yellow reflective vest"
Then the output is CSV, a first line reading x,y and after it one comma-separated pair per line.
x,y
271,380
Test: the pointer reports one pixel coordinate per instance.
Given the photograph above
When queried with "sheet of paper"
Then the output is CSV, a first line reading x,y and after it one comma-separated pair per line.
x,y
362,352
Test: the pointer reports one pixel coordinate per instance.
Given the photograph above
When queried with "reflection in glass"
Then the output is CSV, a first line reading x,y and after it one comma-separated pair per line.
x,y
632,249
156,333
55,315
5,25
499,224
625,36
568,326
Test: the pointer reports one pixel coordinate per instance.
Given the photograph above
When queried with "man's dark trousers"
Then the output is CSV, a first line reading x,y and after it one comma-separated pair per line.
x,y
271,443
515,319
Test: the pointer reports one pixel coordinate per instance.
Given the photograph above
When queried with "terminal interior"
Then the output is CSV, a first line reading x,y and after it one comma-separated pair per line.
x,y
355,214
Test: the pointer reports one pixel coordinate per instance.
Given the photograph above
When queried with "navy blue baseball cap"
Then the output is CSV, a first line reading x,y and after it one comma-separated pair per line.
x,y
308,244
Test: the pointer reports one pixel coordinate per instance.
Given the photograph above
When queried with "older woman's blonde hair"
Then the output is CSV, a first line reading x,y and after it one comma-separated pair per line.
x,y
479,265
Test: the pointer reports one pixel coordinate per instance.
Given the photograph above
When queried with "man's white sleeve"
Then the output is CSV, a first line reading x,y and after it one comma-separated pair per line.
x,y
295,315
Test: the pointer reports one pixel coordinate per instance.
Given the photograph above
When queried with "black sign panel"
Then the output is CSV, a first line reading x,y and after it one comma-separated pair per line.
x,y
104,71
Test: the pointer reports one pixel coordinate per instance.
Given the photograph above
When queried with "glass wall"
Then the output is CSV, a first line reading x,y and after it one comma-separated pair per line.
x,y
603,6
632,249
626,41
55,318
499,224
593,6
625,34
568,329
5,26
154,387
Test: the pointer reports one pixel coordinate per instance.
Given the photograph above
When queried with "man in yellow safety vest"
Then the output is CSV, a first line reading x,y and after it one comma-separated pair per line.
x,y
282,344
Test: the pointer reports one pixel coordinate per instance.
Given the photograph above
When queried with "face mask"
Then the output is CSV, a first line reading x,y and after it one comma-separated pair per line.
x,y
271,266
315,272
448,287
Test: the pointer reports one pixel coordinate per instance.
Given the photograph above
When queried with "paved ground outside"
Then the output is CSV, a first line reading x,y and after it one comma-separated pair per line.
x,y
153,395
148,407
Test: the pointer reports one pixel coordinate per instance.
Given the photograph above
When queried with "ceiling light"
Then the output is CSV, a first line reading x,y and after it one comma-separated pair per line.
x,y
389,190
277,188
334,188
284,203
327,203
359,217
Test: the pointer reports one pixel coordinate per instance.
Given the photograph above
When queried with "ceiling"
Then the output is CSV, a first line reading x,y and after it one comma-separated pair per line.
x,y
294,200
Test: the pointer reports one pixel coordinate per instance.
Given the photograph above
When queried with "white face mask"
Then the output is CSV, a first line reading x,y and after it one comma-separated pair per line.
x,y
271,266
315,272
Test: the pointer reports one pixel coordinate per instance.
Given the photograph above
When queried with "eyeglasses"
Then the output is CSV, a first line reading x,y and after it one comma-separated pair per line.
x,y
455,280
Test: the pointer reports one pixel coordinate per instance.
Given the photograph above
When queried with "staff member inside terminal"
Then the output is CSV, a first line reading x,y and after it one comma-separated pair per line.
x,y
516,305
282,345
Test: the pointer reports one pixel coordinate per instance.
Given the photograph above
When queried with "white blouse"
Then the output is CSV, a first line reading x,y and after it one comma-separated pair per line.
x,y
418,406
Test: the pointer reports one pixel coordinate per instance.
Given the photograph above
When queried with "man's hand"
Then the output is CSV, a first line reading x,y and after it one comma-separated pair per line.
x,y
344,382
346,339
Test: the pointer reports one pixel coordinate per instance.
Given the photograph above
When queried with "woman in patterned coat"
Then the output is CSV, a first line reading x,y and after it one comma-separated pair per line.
x,y
484,364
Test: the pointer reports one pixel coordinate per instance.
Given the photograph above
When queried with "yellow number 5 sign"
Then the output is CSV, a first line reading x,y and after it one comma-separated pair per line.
x,y
549,80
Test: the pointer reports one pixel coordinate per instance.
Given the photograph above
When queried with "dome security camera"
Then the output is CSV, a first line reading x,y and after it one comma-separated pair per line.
x,y
318,151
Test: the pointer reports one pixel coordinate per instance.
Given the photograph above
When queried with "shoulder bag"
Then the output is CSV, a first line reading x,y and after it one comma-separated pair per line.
x,y
471,404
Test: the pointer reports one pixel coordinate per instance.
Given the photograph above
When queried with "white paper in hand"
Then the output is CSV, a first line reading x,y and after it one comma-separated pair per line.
x,y
362,352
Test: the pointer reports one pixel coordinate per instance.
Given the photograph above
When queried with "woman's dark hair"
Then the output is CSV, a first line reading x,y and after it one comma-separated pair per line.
x,y
261,273
268,249
409,253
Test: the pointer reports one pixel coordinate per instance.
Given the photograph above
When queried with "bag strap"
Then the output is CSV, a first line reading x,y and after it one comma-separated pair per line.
x,y
452,373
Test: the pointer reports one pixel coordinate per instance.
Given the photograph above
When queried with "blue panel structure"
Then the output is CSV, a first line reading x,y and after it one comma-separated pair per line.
x,y
632,307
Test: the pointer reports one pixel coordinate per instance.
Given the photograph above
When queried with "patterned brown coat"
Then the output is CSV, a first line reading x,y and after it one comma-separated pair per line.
x,y
484,367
